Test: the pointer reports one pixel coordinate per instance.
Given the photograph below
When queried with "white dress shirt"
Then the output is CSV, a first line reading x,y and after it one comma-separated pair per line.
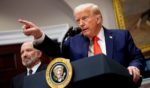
x,y
34,69
39,40
101,42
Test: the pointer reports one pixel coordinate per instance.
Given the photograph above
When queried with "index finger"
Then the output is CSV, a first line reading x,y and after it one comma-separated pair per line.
x,y
25,22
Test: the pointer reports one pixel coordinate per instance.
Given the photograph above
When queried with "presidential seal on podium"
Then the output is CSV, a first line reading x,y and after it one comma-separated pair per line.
x,y
59,73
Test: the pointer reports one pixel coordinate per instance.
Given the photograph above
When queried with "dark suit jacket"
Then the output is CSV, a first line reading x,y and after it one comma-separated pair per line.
x,y
119,46
17,81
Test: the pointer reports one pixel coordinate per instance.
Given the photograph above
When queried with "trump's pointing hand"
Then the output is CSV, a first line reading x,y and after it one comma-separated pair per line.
x,y
30,29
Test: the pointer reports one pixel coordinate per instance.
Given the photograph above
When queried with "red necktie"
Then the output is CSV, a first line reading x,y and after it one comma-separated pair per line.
x,y
96,46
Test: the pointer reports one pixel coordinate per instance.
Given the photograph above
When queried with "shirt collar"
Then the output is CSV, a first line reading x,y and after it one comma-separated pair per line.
x,y
101,34
34,68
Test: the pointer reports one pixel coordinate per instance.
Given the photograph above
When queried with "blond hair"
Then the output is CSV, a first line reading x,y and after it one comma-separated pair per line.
x,y
91,6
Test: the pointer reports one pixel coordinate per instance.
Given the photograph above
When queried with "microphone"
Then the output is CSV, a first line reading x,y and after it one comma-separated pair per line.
x,y
72,31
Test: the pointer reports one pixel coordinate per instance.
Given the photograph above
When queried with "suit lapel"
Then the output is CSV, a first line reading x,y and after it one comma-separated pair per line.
x,y
85,45
41,67
109,42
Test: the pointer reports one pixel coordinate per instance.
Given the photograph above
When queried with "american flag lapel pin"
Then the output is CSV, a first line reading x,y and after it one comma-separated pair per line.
x,y
110,37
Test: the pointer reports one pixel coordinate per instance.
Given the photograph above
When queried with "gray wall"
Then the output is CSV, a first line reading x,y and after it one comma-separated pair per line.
x,y
41,12
47,12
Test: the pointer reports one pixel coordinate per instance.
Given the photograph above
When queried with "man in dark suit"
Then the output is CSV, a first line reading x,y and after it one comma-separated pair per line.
x,y
31,60
115,44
